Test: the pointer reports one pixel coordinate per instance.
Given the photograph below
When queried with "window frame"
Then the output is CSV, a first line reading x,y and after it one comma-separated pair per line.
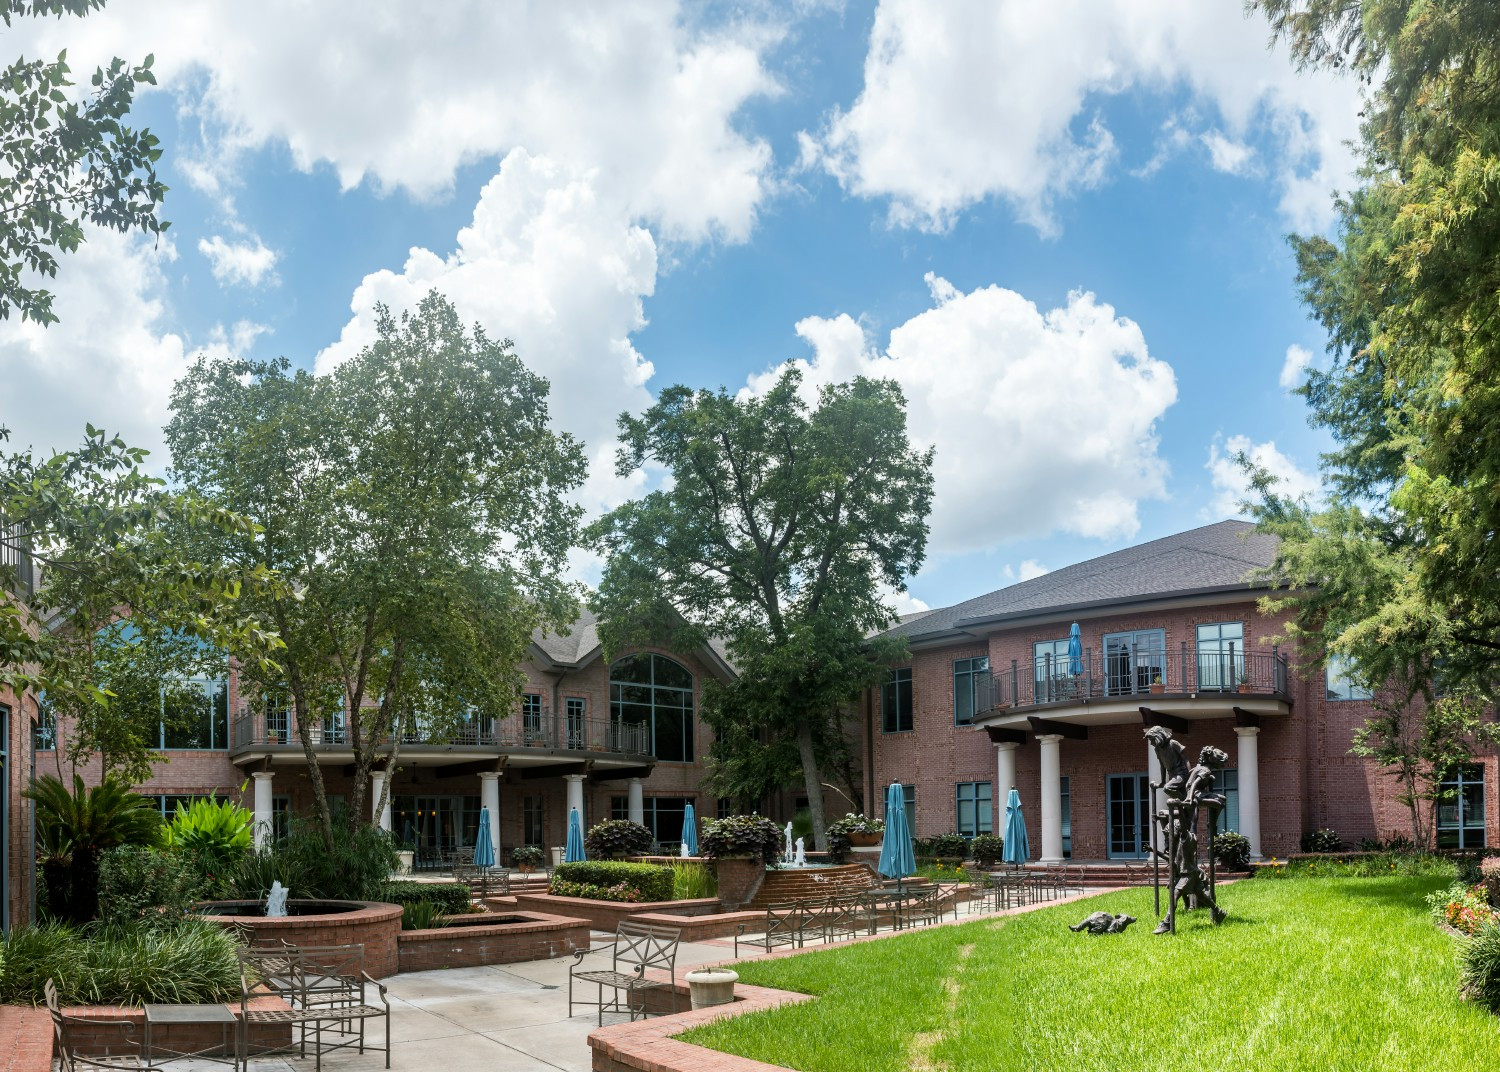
x,y
688,710
981,808
969,672
1330,675
891,691
1237,661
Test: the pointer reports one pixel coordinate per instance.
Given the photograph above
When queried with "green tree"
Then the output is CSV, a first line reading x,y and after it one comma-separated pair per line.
x,y
1406,289
414,503
86,537
64,163
779,528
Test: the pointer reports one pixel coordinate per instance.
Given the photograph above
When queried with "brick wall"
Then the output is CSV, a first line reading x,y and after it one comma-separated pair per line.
x,y
540,936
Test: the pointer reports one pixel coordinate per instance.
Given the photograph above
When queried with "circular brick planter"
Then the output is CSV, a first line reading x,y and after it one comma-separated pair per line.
x,y
368,923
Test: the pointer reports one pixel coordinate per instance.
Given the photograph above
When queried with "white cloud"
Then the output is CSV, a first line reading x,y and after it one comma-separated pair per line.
x,y
1231,488
972,99
1043,422
903,603
1228,155
1297,359
1032,568
404,94
110,361
552,262
248,263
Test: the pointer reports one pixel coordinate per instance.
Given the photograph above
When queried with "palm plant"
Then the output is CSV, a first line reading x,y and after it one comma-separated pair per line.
x,y
73,826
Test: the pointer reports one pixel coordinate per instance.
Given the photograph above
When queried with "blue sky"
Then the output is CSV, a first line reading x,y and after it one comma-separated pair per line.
x,y
1060,225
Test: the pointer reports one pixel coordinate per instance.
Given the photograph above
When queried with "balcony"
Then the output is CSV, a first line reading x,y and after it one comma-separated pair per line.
x,y
17,571
254,731
1126,677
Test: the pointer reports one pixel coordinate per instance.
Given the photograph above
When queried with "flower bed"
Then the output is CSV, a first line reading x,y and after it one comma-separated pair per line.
x,y
606,915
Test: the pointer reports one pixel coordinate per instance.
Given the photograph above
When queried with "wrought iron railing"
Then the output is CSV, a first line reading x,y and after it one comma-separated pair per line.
x,y
1095,676
17,570
254,729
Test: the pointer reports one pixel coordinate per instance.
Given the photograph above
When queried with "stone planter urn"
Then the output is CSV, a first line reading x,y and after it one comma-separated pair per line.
x,y
405,858
864,841
711,986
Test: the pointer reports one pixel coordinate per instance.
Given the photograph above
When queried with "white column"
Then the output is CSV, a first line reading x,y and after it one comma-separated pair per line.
x,y
264,811
1005,780
377,785
1250,786
636,802
489,797
575,798
1052,844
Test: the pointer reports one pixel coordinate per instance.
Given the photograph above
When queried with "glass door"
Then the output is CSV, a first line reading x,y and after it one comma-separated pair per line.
x,y
1132,661
430,826
1129,808
1460,810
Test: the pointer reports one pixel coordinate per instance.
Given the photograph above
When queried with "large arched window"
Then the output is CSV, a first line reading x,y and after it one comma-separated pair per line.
x,y
652,690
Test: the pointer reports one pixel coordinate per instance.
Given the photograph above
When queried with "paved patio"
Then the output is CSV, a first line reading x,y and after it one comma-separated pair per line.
x,y
512,1016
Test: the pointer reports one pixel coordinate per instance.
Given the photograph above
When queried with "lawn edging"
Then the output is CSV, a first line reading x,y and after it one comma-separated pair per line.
x,y
650,1046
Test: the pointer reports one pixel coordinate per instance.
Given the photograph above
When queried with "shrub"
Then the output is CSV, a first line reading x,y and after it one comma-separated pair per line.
x,y
215,834
946,847
1381,865
419,915
1394,843
614,838
691,880
1464,908
527,856
1489,877
1324,840
852,823
650,882
1232,850
1479,966
987,848
741,835
356,868
447,898
138,885
621,891
190,963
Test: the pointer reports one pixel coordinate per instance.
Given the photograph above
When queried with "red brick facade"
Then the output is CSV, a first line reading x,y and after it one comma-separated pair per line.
x,y
1308,779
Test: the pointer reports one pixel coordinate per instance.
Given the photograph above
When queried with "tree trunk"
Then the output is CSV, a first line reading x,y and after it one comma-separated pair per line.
x,y
814,783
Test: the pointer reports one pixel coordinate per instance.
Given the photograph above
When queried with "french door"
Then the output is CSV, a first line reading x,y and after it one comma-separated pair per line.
x,y
1132,661
1129,810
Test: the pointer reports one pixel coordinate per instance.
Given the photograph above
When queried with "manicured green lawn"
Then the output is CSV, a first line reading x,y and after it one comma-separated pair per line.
x,y
1323,974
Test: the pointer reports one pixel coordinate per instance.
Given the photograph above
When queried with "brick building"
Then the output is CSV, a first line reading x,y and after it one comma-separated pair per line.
x,y
17,716
1169,635
620,739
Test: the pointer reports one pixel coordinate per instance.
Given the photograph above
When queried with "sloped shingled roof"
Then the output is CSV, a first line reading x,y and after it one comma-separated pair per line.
x,y
582,642
1214,557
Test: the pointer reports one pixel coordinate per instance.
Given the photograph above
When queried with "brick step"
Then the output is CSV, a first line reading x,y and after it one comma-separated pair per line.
x,y
797,885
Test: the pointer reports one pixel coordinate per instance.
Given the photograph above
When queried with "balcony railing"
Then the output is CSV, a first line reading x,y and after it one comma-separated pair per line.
x,y
254,729
17,570
1027,683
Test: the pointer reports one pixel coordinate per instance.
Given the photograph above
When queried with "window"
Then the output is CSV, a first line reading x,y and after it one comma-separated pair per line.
x,y
335,724
1067,816
1221,656
1227,785
281,817
167,803
1050,670
967,676
725,808
910,794
1460,808
657,693
663,816
576,709
533,824
1134,661
44,729
206,725
975,814
531,718
1341,686
895,701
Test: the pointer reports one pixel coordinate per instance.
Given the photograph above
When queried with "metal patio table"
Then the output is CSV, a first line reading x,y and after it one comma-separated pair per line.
x,y
222,1015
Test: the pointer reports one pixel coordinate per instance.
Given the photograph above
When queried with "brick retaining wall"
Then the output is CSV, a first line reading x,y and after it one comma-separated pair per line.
x,y
607,915
541,936
372,924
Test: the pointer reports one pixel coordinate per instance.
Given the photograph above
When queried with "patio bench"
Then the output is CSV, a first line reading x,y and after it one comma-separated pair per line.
x,y
785,924
637,947
69,1058
483,882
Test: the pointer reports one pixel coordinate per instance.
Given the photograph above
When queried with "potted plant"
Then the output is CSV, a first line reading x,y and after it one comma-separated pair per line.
x,y
527,858
614,839
1158,686
741,837
1244,682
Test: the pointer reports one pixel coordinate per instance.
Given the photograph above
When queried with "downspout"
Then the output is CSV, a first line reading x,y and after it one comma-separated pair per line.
x,y
869,749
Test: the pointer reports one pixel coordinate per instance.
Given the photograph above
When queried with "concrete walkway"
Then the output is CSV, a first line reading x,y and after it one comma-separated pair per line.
x,y
511,1017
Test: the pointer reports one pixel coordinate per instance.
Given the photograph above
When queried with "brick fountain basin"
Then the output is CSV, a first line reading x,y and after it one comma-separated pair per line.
x,y
308,922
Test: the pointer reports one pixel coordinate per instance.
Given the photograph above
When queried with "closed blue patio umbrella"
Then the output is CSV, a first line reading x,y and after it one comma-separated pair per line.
x,y
1017,849
484,844
1075,651
690,830
897,860
574,853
